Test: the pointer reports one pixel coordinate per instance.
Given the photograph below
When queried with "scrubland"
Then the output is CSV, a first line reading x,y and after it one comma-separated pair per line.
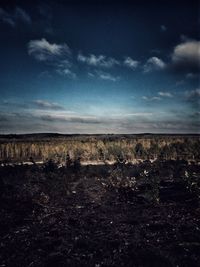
x,y
63,213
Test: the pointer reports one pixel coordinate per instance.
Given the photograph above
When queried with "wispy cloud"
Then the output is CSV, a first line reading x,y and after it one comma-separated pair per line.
x,y
192,98
154,63
163,28
14,104
151,98
23,123
103,76
3,118
72,119
43,104
129,62
98,60
64,122
160,95
191,75
13,18
193,94
165,94
107,76
195,115
64,67
21,14
58,56
45,74
66,72
135,114
91,75
180,83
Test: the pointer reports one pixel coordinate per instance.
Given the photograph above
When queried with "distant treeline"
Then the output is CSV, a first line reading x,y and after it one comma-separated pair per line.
x,y
99,147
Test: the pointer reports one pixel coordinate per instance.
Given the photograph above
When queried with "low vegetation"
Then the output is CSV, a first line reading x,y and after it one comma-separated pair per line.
x,y
98,147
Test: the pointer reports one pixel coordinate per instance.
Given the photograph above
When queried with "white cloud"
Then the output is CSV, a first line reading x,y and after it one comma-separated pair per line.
x,y
58,56
165,94
160,95
187,55
184,58
98,60
103,75
129,62
153,98
107,76
42,50
154,63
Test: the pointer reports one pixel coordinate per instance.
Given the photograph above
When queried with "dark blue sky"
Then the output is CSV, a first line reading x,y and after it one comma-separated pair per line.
x,y
99,66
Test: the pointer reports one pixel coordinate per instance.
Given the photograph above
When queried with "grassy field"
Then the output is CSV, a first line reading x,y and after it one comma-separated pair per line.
x,y
98,147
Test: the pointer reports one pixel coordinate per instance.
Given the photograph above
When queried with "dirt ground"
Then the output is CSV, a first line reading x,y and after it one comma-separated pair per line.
x,y
99,216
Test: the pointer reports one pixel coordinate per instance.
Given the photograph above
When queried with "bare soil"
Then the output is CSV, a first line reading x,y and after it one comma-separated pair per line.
x,y
90,217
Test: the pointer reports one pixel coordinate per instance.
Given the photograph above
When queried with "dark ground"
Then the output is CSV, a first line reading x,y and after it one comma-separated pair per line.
x,y
99,216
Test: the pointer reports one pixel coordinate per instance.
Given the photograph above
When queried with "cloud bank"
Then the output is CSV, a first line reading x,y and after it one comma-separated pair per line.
x,y
186,56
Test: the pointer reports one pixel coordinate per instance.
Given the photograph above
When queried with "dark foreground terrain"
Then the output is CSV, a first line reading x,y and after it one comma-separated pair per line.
x,y
123,215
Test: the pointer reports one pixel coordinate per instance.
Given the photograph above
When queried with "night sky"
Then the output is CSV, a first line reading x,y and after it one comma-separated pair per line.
x,y
99,66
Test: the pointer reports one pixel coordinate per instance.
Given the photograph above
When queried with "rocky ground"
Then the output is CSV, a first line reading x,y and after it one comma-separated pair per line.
x,y
123,215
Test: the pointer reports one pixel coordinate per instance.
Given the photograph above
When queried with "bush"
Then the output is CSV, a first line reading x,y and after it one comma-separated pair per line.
x,y
50,166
